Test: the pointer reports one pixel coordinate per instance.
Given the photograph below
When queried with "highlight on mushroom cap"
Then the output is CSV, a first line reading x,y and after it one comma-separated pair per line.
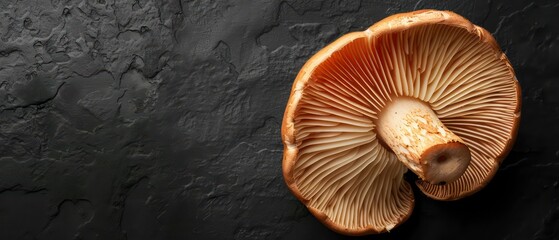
x,y
445,96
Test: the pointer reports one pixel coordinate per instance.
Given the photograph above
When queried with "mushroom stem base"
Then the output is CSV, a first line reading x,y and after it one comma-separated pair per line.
x,y
421,141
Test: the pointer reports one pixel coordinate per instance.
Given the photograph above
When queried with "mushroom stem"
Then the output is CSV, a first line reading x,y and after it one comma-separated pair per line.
x,y
421,141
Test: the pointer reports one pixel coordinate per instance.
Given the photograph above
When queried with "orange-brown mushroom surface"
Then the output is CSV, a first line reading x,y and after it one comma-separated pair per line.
x,y
426,91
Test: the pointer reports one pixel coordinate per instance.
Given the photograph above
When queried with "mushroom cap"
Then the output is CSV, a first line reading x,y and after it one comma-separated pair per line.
x,y
333,160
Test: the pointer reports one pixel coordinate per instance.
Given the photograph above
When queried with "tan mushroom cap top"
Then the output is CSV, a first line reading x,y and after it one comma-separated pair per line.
x,y
334,160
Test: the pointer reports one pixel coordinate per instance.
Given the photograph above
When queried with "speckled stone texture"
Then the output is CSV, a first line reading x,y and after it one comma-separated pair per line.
x,y
160,119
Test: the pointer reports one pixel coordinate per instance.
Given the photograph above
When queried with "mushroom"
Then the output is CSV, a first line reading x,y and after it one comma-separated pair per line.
x,y
426,91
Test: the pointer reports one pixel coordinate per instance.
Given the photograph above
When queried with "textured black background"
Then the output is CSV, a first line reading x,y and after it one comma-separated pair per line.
x,y
149,119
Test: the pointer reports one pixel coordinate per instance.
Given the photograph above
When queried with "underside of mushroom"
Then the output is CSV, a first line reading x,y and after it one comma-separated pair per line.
x,y
439,99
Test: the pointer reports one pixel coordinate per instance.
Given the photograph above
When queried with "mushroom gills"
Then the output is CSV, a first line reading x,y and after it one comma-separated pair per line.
x,y
412,130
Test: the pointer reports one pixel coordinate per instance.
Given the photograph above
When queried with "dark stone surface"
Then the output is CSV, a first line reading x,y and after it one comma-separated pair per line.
x,y
149,119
